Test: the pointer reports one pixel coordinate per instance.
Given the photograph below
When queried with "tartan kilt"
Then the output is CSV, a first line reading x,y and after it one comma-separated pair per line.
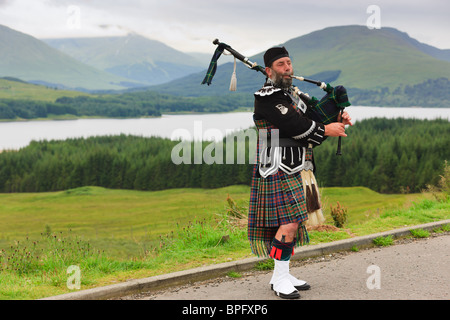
x,y
275,200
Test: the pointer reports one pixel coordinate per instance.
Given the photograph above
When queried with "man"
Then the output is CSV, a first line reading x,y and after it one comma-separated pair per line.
x,y
277,209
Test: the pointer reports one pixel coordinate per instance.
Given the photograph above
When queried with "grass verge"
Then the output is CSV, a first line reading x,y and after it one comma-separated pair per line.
x,y
33,267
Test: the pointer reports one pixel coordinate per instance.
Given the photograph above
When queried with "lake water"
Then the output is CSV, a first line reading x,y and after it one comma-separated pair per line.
x,y
15,135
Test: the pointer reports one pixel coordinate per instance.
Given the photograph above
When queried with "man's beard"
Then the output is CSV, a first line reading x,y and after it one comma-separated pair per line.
x,y
280,81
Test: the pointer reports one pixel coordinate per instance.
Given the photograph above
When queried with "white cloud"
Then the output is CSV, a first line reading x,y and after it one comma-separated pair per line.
x,y
250,26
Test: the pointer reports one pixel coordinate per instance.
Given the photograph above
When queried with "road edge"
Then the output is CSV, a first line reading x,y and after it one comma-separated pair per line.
x,y
203,273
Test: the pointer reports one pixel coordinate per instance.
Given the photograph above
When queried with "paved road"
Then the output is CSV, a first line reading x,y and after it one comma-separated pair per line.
x,y
413,269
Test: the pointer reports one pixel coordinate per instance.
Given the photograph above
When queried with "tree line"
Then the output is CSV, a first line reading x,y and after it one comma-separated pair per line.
x,y
430,93
389,156
433,93
126,105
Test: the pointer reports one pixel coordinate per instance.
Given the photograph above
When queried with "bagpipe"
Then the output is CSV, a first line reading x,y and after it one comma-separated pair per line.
x,y
325,110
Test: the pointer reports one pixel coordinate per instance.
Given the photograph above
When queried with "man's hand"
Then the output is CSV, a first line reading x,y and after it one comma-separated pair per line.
x,y
346,120
337,129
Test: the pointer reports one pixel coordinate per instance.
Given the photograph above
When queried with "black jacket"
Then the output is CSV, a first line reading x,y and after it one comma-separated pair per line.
x,y
277,107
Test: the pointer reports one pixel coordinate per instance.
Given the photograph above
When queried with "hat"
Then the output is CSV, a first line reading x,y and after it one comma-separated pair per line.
x,y
274,54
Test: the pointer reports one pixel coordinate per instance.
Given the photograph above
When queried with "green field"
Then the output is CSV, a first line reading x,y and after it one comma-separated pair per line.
x,y
120,221
123,222
116,235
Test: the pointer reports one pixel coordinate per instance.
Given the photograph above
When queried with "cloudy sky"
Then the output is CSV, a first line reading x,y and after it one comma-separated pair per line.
x,y
249,26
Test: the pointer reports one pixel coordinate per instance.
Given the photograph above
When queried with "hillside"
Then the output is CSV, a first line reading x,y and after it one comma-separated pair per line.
x,y
367,62
12,88
29,59
367,58
378,67
133,57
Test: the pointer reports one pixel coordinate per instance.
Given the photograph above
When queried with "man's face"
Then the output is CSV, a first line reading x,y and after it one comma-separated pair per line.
x,y
280,72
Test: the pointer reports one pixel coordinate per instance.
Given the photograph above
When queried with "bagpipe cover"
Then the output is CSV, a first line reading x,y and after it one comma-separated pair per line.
x,y
328,108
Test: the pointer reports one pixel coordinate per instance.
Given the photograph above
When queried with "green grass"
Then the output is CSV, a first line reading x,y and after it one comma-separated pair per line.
x,y
135,234
383,241
27,91
363,203
420,233
123,222
444,228
32,269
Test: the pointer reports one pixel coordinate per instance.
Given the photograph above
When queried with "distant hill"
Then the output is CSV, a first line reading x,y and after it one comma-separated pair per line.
x,y
376,66
29,59
366,58
12,88
382,67
133,57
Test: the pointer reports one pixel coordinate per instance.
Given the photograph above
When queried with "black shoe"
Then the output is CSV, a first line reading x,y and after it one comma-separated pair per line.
x,y
292,295
303,287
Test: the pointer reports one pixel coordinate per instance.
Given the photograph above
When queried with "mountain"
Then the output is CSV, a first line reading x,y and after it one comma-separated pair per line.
x,y
367,58
29,59
367,62
133,57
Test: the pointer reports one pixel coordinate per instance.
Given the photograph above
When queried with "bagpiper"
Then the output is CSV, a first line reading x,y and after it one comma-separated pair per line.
x,y
284,195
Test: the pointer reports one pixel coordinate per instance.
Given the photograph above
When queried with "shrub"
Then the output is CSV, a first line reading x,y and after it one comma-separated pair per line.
x,y
441,192
339,215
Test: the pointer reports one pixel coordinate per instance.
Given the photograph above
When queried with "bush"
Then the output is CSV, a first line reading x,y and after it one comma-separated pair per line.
x,y
339,215
441,192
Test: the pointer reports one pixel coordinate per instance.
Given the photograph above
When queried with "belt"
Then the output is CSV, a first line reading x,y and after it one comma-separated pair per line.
x,y
286,142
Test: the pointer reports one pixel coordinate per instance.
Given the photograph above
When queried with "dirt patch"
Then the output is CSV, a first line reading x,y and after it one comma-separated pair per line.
x,y
323,227
329,228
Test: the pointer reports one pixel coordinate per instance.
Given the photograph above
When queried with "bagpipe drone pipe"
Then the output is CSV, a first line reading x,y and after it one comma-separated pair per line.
x,y
325,110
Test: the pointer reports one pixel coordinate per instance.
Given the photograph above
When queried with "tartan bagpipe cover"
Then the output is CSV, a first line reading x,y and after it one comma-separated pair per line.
x,y
213,64
328,108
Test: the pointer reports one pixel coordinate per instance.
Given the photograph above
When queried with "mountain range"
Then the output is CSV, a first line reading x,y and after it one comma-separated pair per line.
x,y
29,59
132,56
353,56
383,66
114,63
